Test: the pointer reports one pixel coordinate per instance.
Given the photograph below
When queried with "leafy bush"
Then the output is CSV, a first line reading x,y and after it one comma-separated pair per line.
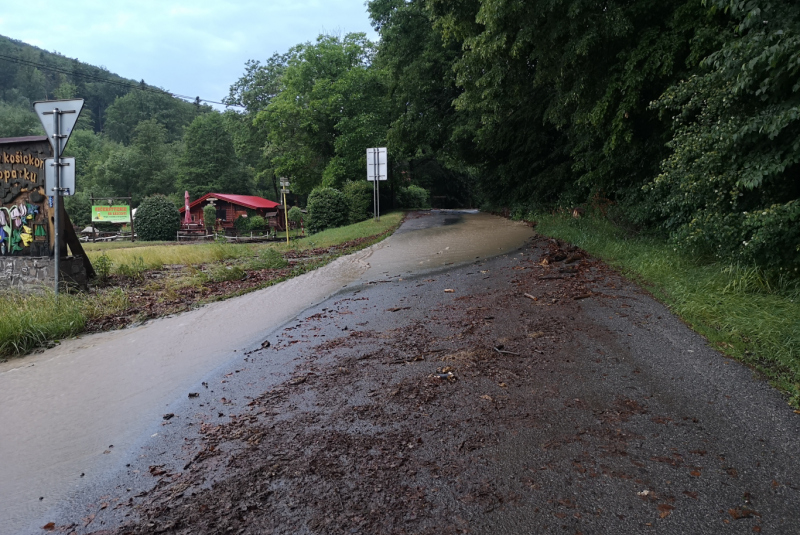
x,y
157,219
102,267
257,223
327,208
242,224
209,217
359,200
414,197
295,214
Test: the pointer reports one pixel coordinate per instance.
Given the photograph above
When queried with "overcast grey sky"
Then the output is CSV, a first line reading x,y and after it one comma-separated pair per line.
x,y
195,48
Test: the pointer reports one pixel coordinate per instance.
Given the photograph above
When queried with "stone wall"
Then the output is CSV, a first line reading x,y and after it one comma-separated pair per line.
x,y
26,273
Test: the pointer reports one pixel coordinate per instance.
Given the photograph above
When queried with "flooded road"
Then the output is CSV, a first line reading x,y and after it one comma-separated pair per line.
x,y
69,414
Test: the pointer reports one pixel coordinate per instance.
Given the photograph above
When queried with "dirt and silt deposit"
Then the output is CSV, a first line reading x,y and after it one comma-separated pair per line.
x,y
537,392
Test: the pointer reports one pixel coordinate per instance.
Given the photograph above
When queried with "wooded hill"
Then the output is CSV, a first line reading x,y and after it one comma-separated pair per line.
x,y
676,117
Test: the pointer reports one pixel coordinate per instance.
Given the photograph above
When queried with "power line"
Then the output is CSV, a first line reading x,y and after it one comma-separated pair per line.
x,y
95,78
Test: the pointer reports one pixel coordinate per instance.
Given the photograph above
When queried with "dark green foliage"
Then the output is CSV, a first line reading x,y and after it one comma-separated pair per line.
x,y
209,162
316,109
210,217
414,197
295,214
242,225
359,200
128,111
18,121
157,219
257,223
731,186
327,208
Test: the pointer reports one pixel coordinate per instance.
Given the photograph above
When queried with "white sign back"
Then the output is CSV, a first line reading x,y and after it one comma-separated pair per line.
x,y
44,109
377,164
67,176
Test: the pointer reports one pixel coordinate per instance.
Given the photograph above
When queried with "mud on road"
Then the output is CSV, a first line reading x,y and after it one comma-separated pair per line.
x,y
537,392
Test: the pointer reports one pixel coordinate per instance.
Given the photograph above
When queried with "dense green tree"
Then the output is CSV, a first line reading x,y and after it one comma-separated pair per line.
x,y
429,141
122,117
209,162
330,108
18,121
557,93
732,183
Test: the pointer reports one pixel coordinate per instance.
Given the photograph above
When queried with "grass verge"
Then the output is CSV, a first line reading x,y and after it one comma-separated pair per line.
x,y
38,320
739,309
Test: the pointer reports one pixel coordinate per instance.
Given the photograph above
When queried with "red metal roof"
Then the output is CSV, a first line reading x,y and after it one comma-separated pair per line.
x,y
248,201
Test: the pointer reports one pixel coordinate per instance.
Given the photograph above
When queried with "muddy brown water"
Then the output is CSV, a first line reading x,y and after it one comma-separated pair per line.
x,y
67,414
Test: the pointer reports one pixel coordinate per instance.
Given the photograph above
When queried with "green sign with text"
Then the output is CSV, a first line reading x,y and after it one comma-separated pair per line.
x,y
112,214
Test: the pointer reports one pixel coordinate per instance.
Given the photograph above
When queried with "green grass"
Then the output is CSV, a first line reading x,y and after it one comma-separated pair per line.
x,y
34,320
130,259
739,309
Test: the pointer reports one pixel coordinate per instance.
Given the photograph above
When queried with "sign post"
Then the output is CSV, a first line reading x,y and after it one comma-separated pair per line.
x,y
377,168
58,131
285,190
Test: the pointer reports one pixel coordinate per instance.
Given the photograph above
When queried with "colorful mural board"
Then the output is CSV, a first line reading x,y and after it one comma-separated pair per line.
x,y
25,214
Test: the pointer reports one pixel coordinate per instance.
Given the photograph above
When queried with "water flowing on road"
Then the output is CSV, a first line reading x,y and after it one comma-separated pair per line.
x,y
69,413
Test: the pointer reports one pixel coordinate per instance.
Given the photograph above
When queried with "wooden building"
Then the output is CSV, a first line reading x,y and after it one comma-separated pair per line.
x,y
229,207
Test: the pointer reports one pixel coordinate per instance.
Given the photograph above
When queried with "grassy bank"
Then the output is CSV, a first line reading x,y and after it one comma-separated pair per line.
x,y
125,256
740,310
37,320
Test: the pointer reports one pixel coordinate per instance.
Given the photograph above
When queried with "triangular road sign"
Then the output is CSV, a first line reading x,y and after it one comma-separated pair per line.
x,y
70,109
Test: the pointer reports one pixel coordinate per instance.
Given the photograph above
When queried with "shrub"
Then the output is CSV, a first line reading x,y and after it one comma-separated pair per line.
x,y
209,217
242,224
257,224
359,200
102,267
295,214
327,208
414,197
157,219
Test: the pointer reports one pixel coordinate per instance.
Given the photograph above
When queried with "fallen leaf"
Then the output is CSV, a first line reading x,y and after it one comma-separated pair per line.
x,y
157,470
690,494
50,526
503,385
487,397
738,513
664,510
695,473
449,291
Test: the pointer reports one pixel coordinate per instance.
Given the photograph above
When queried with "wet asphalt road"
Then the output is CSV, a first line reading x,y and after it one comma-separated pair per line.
x,y
607,416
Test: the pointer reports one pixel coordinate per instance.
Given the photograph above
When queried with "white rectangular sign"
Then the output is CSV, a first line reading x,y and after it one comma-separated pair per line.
x,y
377,164
67,176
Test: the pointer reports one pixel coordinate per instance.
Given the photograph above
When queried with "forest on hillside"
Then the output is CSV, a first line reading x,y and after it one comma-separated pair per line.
x,y
676,117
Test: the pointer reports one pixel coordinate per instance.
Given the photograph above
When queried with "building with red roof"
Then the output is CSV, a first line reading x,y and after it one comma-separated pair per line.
x,y
229,207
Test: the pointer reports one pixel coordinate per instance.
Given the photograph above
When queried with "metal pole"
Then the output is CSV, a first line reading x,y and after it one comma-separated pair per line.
x,y
374,184
57,193
286,215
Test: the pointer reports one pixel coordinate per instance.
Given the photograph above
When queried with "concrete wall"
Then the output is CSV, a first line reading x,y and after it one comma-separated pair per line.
x,y
26,273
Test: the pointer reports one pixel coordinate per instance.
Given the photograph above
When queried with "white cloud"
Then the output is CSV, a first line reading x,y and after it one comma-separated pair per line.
x,y
192,48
